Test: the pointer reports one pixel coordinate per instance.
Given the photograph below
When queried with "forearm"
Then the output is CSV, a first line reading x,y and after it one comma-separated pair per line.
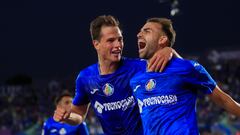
x,y
74,119
225,101
232,106
78,114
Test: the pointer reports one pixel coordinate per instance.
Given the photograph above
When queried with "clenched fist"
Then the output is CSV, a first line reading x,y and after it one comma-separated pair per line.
x,y
61,114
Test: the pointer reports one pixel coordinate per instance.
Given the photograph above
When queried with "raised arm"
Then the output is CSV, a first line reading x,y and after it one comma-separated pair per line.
x,y
224,100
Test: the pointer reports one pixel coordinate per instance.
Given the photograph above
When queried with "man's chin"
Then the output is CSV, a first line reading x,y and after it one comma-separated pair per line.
x,y
142,56
116,59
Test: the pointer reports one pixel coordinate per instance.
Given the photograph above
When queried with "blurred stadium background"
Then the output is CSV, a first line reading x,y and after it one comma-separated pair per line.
x,y
44,44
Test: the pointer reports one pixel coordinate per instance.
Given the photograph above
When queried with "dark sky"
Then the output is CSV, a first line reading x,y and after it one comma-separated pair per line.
x,y
45,39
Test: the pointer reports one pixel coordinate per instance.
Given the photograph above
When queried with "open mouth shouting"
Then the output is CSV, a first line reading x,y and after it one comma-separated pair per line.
x,y
141,45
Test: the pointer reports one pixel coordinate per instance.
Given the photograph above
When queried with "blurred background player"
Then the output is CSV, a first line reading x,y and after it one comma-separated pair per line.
x,y
51,127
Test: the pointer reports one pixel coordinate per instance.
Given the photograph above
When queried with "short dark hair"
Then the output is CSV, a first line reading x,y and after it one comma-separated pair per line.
x,y
64,94
166,27
99,22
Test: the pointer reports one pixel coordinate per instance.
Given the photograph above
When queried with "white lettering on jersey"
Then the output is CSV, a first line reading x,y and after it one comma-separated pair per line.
x,y
158,100
122,104
98,106
140,105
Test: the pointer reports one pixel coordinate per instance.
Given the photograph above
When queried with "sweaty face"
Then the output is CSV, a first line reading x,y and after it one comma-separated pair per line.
x,y
148,40
65,102
110,45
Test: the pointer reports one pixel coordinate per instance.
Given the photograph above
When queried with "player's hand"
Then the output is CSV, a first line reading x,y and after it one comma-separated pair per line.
x,y
61,114
160,59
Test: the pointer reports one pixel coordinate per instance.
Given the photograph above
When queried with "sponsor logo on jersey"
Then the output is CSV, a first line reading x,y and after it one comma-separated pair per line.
x,y
117,105
99,107
108,89
140,105
150,85
158,100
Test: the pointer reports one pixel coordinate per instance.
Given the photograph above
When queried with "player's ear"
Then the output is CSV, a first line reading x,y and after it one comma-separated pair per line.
x,y
163,40
95,44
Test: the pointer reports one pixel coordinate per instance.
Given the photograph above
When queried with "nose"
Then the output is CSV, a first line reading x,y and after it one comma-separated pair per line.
x,y
139,34
118,44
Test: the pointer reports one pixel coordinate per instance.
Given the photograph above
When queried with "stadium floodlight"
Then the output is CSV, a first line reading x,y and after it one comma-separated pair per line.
x,y
174,6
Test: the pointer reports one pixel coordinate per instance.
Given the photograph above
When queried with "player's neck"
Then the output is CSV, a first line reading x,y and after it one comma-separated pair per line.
x,y
148,60
107,67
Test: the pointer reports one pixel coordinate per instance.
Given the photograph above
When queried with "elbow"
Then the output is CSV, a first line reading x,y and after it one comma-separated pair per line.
x,y
75,119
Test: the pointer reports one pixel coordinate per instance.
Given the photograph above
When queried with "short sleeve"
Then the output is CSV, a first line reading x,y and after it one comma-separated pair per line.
x,y
200,80
45,129
81,97
83,130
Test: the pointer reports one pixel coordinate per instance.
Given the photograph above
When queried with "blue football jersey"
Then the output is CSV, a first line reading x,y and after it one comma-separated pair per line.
x,y
167,100
111,97
51,127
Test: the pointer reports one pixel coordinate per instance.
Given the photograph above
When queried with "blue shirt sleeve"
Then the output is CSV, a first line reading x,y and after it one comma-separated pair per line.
x,y
45,130
83,130
200,80
81,97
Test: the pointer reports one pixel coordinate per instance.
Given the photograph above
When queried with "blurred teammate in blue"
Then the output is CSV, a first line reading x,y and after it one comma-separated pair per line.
x,y
105,85
51,127
167,100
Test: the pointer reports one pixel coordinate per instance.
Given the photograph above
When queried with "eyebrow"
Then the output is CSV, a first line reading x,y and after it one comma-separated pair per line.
x,y
114,38
145,29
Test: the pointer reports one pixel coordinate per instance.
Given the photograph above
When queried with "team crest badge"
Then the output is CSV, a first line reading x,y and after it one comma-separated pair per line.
x,y
108,89
62,131
150,85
